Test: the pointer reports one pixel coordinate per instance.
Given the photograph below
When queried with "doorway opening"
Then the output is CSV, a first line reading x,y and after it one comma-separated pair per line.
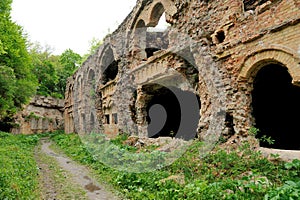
x,y
276,103
166,114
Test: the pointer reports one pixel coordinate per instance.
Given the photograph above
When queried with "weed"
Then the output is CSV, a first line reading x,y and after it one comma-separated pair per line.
x,y
18,170
243,174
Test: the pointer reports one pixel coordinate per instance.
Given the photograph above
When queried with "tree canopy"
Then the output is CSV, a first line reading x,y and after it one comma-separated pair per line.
x,y
27,68
52,71
17,83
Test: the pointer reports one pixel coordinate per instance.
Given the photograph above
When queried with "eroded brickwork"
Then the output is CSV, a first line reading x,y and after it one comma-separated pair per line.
x,y
217,46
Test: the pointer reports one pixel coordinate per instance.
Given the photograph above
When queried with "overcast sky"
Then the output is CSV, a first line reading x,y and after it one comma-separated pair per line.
x,y
64,24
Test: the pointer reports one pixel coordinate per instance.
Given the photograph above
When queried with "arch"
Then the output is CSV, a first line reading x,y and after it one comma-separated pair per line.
x,y
78,87
150,32
139,38
140,24
106,57
145,13
91,75
164,113
256,60
91,78
108,65
156,14
275,100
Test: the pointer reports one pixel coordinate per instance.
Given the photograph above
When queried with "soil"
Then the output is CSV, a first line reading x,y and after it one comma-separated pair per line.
x,y
79,177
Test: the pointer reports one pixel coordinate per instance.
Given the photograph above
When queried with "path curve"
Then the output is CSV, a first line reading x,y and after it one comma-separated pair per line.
x,y
80,174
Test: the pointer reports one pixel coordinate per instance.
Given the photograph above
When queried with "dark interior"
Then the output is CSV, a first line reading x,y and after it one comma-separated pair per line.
x,y
110,72
150,51
173,115
276,105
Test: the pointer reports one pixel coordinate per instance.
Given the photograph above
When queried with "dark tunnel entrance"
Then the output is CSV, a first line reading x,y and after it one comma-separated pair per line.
x,y
167,117
276,103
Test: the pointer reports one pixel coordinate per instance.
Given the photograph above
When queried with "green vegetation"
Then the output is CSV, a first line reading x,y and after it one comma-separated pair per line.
x,y
52,71
240,174
17,83
28,69
263,139
93,47
18,169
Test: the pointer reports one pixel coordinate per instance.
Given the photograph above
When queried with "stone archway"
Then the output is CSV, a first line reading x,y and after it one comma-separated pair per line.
x,y
156,13
256,60
273,75
275,102
109,66
149,38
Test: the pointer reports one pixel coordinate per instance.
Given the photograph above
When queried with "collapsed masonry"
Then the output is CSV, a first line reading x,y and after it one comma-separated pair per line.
x,y
240,59
42,114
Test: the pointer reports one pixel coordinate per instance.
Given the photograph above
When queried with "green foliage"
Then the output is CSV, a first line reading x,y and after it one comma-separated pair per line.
x,y
253,131
44,69
7,88
267,139
52,71
69,63
18,171
295,164
94,44
289,191
241,174
263,139
5,7
16,81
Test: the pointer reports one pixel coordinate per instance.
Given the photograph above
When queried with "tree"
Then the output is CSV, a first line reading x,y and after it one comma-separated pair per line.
x,y
69,63
52,71
17,82
45,69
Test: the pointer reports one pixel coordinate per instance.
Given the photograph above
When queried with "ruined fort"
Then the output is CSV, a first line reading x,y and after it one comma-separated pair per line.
x,y
239,59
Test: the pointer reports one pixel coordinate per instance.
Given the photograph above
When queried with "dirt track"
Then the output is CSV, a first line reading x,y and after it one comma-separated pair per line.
x,y
75,176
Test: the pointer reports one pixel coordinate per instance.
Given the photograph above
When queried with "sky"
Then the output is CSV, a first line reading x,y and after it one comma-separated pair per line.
x,y
65,24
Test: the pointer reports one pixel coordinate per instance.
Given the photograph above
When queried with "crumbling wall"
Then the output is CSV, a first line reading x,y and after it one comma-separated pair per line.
x,y
224,43
69,106
41,115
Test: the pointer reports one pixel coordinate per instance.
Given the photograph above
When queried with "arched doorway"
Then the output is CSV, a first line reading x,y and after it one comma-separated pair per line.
x,y
165,114
109,66
276,104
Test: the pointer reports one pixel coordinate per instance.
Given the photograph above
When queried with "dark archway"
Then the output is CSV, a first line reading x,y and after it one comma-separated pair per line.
x,y
109,66
110,72
166,120
276,104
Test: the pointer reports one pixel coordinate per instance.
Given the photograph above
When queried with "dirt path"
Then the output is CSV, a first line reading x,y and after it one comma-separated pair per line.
x,y
62,178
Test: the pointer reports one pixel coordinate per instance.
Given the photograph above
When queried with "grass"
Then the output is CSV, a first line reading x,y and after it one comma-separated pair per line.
x,y
241,174
18,170
59,179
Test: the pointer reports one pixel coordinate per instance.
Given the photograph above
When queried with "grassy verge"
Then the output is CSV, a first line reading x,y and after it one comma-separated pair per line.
x,y
242,174
18,169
